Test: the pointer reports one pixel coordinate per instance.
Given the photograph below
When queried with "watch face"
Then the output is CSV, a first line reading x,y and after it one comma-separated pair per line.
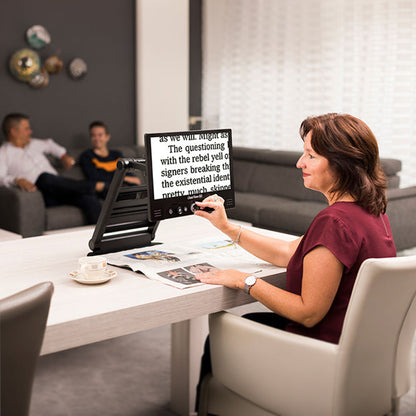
x,y
250,280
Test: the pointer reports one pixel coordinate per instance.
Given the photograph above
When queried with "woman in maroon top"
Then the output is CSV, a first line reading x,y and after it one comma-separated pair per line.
x,y
341,161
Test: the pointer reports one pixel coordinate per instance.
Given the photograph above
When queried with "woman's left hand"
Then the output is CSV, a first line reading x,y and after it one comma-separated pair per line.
x,y
231,278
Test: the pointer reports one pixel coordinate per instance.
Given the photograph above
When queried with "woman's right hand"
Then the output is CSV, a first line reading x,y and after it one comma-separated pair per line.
x,y
218,217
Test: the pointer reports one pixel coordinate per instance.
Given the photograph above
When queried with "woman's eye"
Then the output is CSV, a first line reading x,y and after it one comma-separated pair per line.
x,y
311,156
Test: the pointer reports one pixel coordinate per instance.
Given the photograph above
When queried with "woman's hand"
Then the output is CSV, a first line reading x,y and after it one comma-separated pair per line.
x,y
218,217
231,278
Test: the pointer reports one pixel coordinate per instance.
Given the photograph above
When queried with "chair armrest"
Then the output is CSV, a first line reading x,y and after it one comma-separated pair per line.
x,y
22,212
262,364
404,353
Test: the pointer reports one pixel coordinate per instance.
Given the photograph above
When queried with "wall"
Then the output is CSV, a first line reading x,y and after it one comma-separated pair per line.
x,y
102,32
268,64
163,65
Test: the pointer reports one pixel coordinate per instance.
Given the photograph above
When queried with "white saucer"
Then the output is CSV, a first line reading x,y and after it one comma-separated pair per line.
x,y
78,277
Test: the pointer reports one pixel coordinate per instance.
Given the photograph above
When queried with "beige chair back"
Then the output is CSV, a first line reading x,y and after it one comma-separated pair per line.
x,y
375,344
263,371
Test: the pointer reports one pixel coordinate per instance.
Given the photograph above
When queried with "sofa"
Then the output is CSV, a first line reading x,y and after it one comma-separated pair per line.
x,y
270,194
25,213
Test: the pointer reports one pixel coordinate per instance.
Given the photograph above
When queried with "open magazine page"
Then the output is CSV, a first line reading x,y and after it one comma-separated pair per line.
x,y
177,266
161,262
227,255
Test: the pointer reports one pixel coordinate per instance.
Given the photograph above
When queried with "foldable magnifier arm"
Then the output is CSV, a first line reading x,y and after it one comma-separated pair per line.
x,y
131,163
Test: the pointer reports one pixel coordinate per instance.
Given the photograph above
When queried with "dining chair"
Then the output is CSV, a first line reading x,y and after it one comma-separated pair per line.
x,y
23,319
263,371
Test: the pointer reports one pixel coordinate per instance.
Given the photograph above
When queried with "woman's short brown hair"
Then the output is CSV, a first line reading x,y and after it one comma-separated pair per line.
x,y
352,151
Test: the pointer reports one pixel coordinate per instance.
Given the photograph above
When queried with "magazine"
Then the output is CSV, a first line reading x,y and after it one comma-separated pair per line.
x,y
177,266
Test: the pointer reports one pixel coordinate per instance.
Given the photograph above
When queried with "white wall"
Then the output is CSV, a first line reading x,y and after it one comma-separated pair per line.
x,y
268,64
162,38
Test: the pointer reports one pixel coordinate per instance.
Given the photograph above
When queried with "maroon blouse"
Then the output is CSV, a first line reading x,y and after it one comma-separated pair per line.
x,y
352,235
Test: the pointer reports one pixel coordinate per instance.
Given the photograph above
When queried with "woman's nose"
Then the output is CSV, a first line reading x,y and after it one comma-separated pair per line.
x,y
300,163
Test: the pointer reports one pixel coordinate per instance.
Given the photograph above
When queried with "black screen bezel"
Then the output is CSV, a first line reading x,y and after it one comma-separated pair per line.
x,y
160,209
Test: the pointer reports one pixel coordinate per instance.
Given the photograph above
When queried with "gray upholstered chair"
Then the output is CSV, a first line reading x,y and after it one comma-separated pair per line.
x,y
23,319
259,370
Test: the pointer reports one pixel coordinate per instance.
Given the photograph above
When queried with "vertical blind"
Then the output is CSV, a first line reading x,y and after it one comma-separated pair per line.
x,y
268,64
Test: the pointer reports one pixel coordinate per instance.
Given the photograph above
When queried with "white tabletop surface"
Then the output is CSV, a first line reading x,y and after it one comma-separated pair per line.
x,y
81,314
8,235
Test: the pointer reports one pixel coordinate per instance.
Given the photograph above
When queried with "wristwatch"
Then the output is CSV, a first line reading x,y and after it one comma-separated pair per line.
x,y
249,283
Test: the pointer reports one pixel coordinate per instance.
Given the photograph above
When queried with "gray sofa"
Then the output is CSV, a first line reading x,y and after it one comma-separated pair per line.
x,y
270,194
25,213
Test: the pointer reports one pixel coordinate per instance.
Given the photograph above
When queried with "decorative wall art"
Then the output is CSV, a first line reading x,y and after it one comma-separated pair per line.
x,y
40,80
24,64
28,66
53,64
38,37
77,68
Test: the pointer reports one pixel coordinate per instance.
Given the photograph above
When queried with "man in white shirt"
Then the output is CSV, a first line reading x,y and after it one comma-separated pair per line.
x,y
23,163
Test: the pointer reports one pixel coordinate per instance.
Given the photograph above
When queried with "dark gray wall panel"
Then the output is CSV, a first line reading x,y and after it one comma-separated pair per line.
x,y
102,32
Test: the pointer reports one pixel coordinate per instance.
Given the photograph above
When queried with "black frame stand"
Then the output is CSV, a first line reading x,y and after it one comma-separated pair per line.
x,y
123,223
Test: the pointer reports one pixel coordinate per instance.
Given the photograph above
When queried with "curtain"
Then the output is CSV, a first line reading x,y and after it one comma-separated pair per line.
x,y
268,64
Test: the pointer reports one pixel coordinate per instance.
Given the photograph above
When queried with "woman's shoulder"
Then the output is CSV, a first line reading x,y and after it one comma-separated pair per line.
x,y
349,216
344,216
344,209
335,228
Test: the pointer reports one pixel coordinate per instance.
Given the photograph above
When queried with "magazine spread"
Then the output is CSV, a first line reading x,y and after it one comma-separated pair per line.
x,y
177,265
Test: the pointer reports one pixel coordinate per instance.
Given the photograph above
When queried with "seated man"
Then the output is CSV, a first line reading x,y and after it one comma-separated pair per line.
x,y
100,163
23,163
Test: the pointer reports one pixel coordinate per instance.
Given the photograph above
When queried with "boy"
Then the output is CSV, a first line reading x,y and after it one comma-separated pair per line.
x,y
100,163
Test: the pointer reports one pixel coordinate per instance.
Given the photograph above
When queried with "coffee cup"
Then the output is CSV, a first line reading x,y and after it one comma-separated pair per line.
x,y
92,268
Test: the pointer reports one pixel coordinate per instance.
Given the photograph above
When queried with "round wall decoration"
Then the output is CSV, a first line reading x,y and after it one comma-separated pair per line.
x,y
38,37
24,64
27,66
54,64
41,80
77,68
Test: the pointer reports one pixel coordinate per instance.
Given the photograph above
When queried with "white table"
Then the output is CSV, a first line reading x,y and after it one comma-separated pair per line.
x,y
83,314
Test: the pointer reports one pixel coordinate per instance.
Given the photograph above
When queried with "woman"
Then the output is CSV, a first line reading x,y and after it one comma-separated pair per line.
x,y
340,160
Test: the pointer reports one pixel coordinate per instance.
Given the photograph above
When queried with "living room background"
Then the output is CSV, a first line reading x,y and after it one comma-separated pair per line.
x,y
267,64
102,33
